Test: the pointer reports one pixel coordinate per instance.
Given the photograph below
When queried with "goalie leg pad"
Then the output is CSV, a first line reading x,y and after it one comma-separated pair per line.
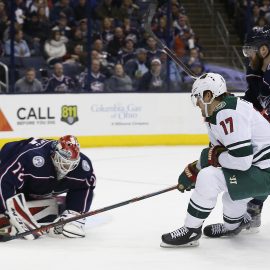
x,y
20,217
4,222
44,211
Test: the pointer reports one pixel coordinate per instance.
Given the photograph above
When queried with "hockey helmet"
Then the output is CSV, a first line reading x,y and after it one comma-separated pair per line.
x,y
212,82
257,37
65,155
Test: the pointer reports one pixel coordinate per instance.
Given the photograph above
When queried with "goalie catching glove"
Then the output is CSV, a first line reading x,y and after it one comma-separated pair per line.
x,y
73,229
187,178
20,218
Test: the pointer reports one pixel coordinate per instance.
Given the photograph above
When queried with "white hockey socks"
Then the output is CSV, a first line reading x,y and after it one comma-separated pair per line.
x,y
74,229
20,218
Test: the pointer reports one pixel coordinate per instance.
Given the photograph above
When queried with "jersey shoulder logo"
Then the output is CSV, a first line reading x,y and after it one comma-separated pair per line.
x,y
38,161
85,166
220,106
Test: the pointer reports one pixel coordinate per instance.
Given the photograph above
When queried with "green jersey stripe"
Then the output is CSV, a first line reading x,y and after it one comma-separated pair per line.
x,y
265,156
197,213
232,220
200,207
242,152
261,152
238,144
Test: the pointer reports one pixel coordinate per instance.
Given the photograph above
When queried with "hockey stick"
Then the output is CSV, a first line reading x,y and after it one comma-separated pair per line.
x,y
148,19
44,228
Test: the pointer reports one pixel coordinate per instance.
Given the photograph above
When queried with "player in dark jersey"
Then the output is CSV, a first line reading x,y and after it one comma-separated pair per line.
x,y
257,49
36,169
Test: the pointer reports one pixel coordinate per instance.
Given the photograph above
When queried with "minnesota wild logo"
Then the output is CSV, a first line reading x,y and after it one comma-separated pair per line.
x,y
220,106
69,114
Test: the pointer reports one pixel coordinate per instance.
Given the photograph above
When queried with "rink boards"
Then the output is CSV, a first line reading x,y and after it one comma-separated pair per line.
x,y
124,119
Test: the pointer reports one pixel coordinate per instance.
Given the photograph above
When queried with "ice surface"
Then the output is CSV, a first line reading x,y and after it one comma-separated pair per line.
x,y
128,238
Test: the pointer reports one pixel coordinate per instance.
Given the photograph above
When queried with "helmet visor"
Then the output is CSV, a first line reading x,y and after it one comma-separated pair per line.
x,y
249,51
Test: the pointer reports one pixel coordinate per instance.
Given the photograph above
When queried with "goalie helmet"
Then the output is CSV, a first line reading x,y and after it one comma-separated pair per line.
x,y
65,155
209,81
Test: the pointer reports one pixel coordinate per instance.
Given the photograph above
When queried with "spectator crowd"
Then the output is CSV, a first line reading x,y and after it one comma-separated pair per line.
x,y
247,14
117,56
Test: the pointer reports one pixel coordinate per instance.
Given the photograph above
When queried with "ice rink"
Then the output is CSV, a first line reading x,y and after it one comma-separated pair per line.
x,y
128,238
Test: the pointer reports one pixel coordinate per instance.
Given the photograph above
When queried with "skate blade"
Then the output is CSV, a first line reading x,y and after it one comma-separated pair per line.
x,y
250,230
194,243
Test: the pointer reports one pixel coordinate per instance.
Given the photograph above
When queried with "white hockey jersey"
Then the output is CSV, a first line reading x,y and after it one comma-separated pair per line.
x,y
236,125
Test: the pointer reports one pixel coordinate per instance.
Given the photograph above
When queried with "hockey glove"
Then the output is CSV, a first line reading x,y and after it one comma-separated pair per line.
x,y
209,156
20,218
266,115
5,227
73,229
187,178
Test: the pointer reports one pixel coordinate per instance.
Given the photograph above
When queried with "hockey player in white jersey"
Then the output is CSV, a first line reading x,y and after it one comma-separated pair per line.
x,y
237,163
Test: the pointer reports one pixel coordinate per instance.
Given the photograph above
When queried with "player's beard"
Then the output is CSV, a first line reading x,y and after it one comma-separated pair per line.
x,y
256,63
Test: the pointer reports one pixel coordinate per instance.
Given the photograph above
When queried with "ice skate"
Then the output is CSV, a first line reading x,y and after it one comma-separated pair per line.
x,y
183,237
219,230
254,211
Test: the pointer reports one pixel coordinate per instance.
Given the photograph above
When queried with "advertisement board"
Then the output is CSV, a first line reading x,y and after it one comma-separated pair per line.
x,y
103,119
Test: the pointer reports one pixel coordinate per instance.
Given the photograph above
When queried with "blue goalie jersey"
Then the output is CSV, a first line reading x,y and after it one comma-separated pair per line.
x,y
27,167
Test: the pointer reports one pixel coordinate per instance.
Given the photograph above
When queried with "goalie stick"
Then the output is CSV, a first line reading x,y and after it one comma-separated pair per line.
x,y
44,228
148,19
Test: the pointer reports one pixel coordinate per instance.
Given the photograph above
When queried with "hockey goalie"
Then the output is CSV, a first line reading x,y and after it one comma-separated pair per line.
x,y
33,172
